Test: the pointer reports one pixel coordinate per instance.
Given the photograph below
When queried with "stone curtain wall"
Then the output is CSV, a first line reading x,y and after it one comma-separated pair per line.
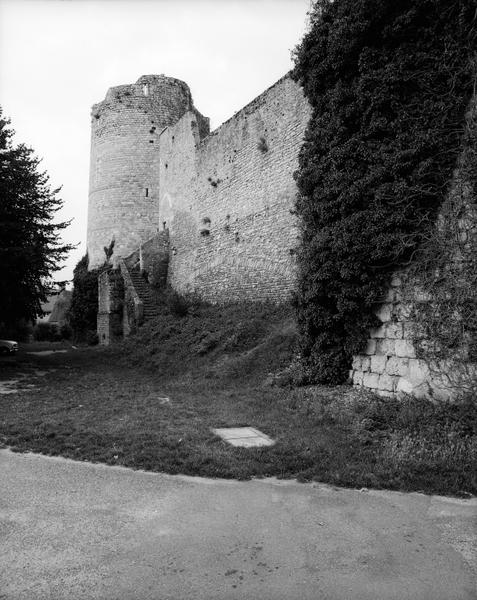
x,y
124,185
227,199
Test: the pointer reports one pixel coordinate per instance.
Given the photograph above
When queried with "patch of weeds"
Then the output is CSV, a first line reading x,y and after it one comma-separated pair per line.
x,y
177,303
104,405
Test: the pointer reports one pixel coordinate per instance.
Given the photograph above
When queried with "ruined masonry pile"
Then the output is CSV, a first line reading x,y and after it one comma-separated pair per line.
x,y
389,364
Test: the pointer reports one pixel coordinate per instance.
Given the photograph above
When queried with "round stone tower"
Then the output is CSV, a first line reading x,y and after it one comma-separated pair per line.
x,y
124,167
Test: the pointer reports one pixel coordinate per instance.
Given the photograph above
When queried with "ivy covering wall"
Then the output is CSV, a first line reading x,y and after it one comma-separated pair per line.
x,y
389,82
84,303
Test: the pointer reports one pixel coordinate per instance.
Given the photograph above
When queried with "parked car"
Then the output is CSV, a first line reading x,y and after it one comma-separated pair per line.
x,y
8,347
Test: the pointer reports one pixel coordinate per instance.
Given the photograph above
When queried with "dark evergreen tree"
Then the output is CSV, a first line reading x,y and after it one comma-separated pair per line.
x,y
30,246
389,82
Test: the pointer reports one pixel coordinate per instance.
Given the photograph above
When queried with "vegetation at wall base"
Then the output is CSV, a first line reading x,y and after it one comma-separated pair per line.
x,y
82,315
151,403
30,246
389,84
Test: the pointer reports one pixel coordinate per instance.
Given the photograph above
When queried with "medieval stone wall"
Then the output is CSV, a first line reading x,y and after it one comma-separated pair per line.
x,y
227,199
222,204
124,185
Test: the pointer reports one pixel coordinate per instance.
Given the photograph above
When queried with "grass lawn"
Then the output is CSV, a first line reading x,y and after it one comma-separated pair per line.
x,y
99,405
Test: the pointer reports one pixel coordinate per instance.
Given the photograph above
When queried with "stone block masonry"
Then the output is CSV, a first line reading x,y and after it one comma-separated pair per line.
x,y
389,365
227,199
124,166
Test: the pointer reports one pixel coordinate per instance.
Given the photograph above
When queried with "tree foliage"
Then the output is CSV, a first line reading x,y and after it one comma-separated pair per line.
x,y
30,246
84,303
389,83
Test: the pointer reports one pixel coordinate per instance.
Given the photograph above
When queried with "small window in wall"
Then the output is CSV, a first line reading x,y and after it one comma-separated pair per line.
x,y
147,192
164,224
145,89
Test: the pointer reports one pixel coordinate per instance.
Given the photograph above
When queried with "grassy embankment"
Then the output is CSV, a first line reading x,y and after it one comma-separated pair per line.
x,y
151,402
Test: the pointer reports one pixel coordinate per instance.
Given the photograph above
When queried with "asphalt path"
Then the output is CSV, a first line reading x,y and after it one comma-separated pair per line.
x,y
73,530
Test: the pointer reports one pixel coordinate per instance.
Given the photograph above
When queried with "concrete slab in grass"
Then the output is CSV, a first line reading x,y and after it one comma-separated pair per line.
x,y
246,437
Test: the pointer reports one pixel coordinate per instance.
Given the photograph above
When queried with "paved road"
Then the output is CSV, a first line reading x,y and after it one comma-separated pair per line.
x,y
71,530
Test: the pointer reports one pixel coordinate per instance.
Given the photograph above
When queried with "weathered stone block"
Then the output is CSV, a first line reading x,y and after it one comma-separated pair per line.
x,y
378,363
405,349
356,364
370,347
404,386
377,332
386,382
366,363
402,311
384,313
396,281
418,371
370,380
386,347
357,377
393,330
385,394
397,366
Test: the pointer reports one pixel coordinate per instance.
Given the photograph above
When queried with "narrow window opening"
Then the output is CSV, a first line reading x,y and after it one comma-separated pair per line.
x,y
164,224
145,89
147,192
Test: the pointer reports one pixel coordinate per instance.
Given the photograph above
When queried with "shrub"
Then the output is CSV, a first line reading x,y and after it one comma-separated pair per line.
x,y
91,337
177,303
83,312
66,332
389,84
46,332
20,331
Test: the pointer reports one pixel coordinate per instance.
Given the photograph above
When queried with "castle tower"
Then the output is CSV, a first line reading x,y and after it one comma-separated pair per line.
x,y
124,167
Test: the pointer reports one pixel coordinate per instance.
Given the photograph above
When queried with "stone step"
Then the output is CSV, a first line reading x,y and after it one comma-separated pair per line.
x,y
144,292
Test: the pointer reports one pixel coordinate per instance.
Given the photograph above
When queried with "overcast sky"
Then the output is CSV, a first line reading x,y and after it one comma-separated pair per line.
x,y
58,57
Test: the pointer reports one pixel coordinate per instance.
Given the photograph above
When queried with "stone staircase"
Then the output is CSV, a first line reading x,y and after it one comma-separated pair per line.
x,y
144,292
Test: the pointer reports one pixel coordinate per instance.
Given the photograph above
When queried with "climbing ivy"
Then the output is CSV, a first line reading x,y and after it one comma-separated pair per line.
x,y
388,82
84,303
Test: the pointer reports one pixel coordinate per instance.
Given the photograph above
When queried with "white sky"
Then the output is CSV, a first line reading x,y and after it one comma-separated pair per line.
x,y
58,57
